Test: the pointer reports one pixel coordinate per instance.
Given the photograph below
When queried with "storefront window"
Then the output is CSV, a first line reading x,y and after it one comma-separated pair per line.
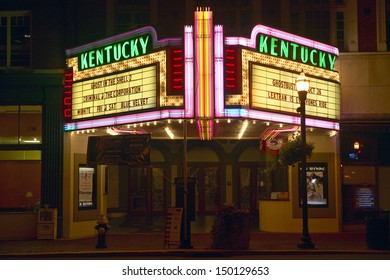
x,y
20,186
21,124
9,119
20,164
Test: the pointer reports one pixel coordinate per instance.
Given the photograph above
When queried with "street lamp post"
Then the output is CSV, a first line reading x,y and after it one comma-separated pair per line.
x,y
302,84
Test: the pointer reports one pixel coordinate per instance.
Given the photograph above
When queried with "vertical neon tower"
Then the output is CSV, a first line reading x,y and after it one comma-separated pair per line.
x,y
204,72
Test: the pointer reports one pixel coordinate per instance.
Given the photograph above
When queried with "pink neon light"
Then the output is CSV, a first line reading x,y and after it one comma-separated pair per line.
x,y
273,133
189,71
275,117
120,120
281,35
218,64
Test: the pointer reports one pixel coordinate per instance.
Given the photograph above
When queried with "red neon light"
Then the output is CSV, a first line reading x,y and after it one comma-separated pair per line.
x,y
68,101
67,98
67,113
231,63
176,78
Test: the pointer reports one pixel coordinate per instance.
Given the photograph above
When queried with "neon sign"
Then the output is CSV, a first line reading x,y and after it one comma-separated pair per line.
x,y
295,52
115,52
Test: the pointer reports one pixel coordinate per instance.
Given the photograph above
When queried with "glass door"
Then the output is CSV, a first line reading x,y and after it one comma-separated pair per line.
x,y
249,187
147,190
207,189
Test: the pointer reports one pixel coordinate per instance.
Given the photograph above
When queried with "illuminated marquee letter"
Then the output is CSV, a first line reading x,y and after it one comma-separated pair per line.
x,y
312,60
99,57
144,44
274,46
108,49
321,58
134,48
117,52
91,55
332,59
124,48
263,47
83,61
294,53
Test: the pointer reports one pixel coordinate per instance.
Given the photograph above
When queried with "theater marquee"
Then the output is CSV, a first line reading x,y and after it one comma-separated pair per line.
x,y
274,89
124,92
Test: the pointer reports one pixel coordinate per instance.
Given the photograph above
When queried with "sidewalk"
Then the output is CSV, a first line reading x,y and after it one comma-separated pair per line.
x,y
342,245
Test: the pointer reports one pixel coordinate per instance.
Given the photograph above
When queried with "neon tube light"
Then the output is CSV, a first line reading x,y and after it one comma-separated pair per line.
x,y
204,75
273,133
218,64
126,119
189,71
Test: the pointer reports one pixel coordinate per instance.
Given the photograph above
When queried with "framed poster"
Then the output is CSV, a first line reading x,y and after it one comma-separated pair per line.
x,y
317,184
87,187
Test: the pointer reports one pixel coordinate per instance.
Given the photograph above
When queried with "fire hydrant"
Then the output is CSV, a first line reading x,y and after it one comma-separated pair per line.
x,y
102,228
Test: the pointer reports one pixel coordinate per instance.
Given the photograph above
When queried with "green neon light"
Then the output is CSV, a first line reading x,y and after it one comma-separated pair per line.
x,y
115,52
296,52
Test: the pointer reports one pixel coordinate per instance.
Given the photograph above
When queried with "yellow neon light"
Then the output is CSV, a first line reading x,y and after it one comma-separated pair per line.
x,y
204,71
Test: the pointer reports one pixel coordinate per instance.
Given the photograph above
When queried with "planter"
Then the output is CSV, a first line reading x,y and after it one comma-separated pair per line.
x,y
231,229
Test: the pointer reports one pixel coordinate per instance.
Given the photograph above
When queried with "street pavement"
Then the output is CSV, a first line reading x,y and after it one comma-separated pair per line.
x,y
263,245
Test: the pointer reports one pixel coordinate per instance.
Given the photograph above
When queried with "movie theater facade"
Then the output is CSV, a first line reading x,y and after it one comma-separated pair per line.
x,y
142,112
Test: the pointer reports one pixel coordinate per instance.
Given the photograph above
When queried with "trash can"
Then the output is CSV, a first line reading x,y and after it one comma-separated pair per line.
x,y
377,229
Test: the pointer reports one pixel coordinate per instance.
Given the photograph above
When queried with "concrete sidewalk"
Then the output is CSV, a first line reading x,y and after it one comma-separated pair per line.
x,y
344,245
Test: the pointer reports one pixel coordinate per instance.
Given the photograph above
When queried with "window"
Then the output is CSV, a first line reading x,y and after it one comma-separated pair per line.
x,y
132,15
318,25
320,20
340,30
21,124
15,39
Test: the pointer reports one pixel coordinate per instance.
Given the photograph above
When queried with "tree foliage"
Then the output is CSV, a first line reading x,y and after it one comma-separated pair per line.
x,y
291,151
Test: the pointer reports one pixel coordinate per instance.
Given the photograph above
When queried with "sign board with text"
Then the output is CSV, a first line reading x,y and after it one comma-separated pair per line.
x,y
114,94
274,89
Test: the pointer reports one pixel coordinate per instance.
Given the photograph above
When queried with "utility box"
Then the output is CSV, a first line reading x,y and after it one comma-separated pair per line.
x,y
47,223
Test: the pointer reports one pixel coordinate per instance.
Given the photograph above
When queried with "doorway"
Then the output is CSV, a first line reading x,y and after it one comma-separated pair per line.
x,y
249,187
207,188
147,190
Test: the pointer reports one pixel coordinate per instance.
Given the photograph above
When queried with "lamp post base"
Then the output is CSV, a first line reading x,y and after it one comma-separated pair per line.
x,y
305,243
